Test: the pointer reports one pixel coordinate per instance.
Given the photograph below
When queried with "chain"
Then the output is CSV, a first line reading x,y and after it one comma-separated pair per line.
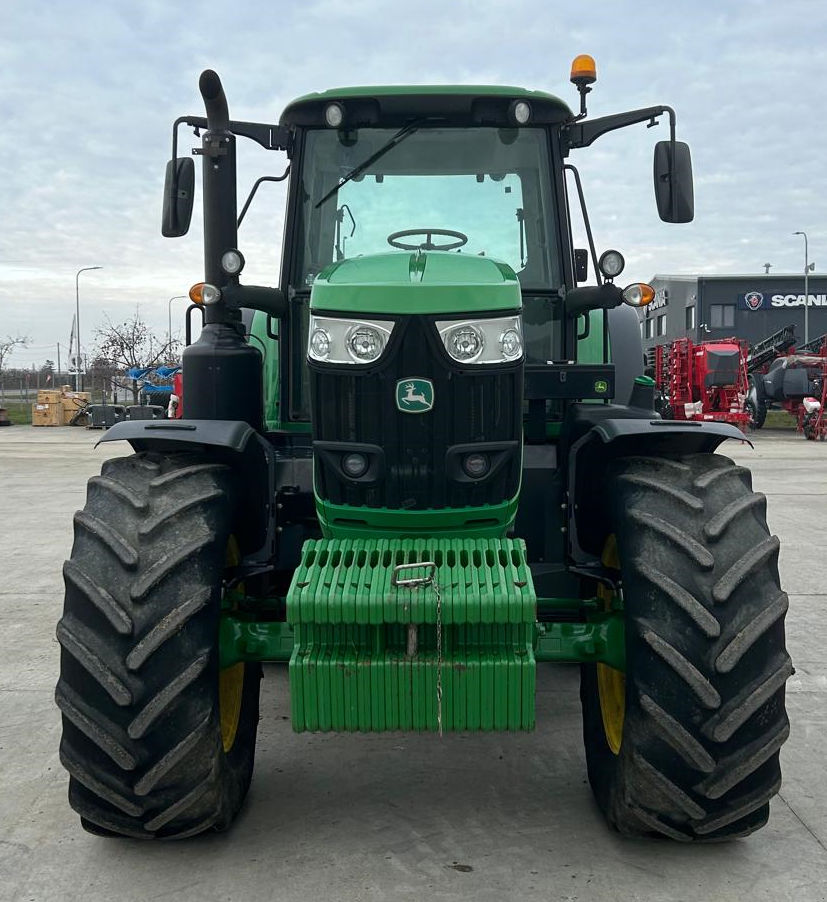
x,y
438,594
417,582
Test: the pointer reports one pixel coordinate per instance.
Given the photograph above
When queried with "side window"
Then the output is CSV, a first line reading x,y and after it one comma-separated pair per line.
x,y
662,325
722,316
690,317
650,328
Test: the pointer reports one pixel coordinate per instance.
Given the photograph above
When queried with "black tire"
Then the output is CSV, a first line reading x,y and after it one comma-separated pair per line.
x,y
808,426
138,686
756,403
706,661
664,408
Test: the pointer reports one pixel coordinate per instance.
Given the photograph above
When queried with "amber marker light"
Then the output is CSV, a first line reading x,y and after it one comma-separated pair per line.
x,y
583,70
638,294
195,293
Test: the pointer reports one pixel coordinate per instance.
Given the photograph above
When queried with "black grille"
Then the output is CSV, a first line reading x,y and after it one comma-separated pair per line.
x,y
479,405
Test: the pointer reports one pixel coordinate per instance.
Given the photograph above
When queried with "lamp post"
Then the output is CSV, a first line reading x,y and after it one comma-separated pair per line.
x,y
78,382
808,267
178,297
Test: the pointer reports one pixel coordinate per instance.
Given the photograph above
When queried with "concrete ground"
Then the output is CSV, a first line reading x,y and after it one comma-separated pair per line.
x,y
393,816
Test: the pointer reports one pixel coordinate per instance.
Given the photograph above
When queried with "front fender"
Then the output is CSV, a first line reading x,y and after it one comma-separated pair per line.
x,y
161,435
608,439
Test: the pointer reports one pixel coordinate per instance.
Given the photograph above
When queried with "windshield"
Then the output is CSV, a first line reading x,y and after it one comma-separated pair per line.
x,y
489,188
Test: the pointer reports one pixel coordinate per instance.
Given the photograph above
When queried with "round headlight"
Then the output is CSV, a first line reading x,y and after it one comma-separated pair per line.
x,y
320,344
334,115
354,465
511,344
611,264
475,465
465,343
210,294
520,112
365,343
232,262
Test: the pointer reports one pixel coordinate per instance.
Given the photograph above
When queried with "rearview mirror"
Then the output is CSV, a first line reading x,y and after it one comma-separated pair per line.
x,y
677,172
179,193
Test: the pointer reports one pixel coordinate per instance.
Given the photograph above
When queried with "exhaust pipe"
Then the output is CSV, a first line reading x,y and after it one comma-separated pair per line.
x,y
218,116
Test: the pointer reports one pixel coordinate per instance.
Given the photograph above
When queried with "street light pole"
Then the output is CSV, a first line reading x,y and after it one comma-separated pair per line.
x,y
807,267
178,297
77,321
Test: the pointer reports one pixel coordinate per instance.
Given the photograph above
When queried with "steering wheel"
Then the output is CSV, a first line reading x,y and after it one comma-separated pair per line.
x,y
428,245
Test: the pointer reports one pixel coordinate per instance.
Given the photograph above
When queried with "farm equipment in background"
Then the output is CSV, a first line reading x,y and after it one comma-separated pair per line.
x,y
430,470
701,382
789,378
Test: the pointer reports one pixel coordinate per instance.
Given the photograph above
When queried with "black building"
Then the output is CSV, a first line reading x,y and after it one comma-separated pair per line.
x,y
751,307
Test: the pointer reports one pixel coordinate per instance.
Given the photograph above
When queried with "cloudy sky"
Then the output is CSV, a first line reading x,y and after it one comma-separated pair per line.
x,y
89,89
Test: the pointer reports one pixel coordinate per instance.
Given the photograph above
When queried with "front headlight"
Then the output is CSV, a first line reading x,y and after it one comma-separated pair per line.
x,y
497,340
353,341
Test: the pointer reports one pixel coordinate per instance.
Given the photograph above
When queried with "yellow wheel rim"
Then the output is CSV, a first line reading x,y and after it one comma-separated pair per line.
x,y
611,683
230,687
231,679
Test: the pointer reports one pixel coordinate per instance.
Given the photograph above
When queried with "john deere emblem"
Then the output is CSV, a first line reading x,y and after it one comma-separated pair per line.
x,y
414,395
601,387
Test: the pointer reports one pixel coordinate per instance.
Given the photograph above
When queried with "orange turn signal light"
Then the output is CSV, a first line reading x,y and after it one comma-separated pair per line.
x,y
638,294
583,70
195,293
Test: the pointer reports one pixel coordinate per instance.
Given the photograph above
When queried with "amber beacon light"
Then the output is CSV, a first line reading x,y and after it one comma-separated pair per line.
x,y
583,70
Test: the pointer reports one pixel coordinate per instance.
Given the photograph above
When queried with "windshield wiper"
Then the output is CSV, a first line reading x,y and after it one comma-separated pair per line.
x,y
358,170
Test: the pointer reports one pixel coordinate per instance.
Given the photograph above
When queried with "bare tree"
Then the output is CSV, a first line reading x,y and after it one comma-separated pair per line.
x,y
132,344
7,346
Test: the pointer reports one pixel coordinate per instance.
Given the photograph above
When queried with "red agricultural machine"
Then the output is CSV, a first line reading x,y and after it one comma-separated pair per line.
x,y
789,378
706,381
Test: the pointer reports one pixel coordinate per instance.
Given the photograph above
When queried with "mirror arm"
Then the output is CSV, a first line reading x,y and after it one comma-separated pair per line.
x,y
580,301
582,134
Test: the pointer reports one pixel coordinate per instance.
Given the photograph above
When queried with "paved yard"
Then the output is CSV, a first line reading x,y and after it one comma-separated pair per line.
x,y
393,816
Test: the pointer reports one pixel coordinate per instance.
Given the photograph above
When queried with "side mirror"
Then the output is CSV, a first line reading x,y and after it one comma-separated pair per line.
x,y
179,194
677,172
581,264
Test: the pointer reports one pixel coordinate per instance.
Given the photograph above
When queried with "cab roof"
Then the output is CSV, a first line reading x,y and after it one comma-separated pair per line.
x,y
395,105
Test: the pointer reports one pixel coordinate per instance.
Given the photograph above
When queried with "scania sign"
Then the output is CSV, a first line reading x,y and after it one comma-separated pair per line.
x,y
756,300
797,300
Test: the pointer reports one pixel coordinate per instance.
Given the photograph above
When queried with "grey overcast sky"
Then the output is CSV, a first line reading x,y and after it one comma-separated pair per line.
x,y
89,89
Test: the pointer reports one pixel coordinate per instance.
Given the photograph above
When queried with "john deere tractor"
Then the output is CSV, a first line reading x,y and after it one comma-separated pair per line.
x,y
422,464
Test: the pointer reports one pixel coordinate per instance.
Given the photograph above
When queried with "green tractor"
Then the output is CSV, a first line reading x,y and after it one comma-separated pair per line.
x,y
422,464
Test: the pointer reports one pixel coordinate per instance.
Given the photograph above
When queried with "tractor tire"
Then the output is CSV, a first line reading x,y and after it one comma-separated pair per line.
x,y
156,743
686,745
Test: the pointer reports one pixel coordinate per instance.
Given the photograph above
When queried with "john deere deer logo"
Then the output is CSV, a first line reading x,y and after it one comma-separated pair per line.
x,y
414,395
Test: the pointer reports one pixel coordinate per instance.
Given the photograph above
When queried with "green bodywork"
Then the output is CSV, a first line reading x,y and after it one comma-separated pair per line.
x,y
393,92
419,283
485,521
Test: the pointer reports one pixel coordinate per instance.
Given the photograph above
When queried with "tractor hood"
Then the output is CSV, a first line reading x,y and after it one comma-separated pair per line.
x,y
416,282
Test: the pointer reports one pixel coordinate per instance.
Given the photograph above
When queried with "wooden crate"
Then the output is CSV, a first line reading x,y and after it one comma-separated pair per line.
x,y
46,414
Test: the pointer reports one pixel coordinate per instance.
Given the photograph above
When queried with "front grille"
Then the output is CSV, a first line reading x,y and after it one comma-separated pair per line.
x,y
475,405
